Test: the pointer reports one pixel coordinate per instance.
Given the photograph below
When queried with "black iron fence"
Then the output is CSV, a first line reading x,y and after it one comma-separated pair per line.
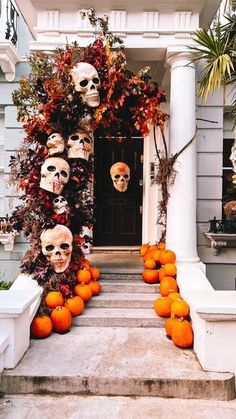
x,y
8,20
222,226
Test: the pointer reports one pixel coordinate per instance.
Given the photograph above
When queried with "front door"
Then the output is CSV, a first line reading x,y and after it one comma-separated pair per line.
x,y
118,214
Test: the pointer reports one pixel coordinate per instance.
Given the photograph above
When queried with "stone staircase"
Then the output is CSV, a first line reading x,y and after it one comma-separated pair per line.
x,y
117,347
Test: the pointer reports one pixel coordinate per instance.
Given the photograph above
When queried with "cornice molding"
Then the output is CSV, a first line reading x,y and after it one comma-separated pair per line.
x,y
9,57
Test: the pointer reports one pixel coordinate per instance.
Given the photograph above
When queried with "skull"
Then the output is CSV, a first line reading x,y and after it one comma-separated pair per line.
x,y
60,204
87,82
79,145
57,246
120,174
55,173
55,144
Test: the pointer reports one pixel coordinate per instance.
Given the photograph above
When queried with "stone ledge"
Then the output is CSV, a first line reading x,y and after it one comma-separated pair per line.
x,y
14,302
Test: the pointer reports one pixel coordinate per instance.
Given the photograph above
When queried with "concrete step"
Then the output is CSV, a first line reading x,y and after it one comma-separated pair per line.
x,y
119,317
115,362
121,276
104,407
119,286
115,300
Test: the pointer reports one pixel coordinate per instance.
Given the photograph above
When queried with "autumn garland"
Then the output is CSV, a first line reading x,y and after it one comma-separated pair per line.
x,y
47,103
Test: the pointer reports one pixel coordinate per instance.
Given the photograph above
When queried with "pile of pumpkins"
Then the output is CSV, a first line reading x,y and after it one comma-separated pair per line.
x,y
64,307
160,267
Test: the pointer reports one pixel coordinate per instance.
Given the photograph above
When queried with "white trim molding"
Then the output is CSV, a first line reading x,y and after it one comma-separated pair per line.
x,y
9,57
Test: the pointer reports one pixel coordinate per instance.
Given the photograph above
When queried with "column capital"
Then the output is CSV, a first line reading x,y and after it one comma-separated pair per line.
x,y
179,56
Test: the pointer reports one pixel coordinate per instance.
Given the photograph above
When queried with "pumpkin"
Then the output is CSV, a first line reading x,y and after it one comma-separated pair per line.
x,y
150,276
182,334
147,255
180,308
168,284
41,327
95,287
150,264
54,299
83,276
75,305
169,325
85,264
156,255
95,273
162,306
84,291
162,245
167,256
144,248
61,319
153,247
161,273
174,295
170,269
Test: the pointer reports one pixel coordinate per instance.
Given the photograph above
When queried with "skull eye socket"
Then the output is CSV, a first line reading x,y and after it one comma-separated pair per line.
x,y
86,140
126,176
64,173
74,137
64,246
49,248
63,200
117,176
51,168
96,80
84,83
56,200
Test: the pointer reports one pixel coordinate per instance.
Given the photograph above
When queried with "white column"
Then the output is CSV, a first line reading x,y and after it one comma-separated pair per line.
x,y
181,213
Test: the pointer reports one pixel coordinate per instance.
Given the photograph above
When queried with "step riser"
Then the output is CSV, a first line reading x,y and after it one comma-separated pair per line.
x,y
130,288
121,277
117,322
120,304
119,386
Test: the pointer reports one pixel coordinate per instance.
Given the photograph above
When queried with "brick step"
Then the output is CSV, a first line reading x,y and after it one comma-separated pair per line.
x,y
122,300
120,286
112,361
119,317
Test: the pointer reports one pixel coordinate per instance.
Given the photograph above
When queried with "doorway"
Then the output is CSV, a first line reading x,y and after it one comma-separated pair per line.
x,y
118,215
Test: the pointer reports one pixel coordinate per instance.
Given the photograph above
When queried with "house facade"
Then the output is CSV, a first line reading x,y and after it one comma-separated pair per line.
x,y
155,35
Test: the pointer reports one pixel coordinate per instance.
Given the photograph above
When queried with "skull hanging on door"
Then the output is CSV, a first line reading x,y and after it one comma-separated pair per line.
x,y
55,174
60,204
57,246
87,82
79,145
55,144
120,174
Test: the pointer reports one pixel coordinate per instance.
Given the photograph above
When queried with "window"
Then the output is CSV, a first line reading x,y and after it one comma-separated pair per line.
x,y
228,192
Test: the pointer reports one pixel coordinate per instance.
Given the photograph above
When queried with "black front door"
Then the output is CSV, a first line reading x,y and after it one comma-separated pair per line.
x,y
118,214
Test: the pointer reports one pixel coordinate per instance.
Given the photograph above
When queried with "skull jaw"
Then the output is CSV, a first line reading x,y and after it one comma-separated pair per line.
x,y
60,265
55,186
121,187
52,150
79,153
92,100
61,210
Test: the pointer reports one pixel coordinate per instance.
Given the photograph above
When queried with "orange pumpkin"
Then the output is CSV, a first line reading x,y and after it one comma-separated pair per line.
x,y
84,291
167,256
75,305
61,319
85,264
95,273
182,334
83,276
180,308
153,247
174,295
168,284
41,327
151,276
161,273
169,325
162,245
150,264
144,248
156,255
170,269
54,299
147,255
95,287
162,306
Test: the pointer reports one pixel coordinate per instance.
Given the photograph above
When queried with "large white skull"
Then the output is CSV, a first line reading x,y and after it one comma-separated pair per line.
x,y
55,144
60,204
87,82
79,145
55,173
57,246
120,174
